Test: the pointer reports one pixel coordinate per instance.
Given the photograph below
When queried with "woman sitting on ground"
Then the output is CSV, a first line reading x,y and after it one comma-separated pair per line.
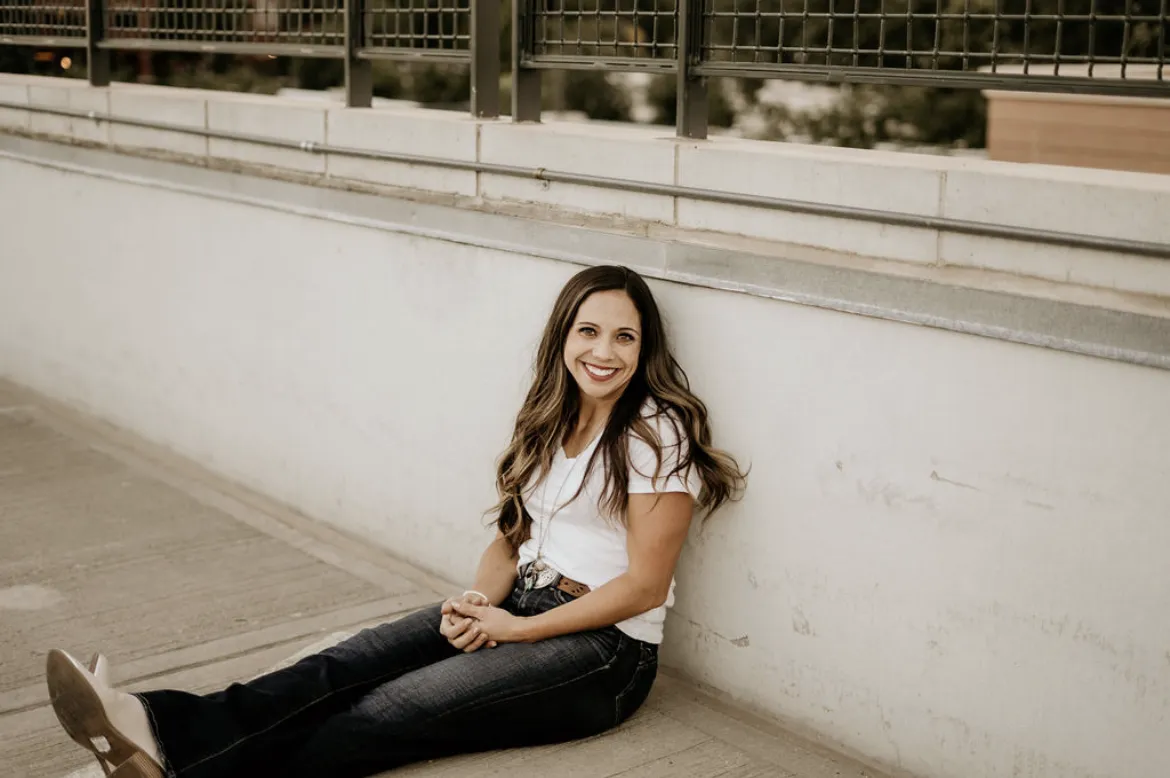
x,y
558,640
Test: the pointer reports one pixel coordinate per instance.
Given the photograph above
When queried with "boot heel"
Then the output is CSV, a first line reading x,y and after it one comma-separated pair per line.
x,y
100,668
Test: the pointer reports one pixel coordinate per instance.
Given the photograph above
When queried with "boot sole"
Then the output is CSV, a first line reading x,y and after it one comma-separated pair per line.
x,y
138,766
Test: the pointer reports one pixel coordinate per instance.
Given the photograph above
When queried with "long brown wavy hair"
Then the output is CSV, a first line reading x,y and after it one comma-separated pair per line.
x,y
550,413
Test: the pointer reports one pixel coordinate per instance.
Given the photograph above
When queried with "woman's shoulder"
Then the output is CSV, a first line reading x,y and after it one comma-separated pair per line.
x,y
664,420
659,452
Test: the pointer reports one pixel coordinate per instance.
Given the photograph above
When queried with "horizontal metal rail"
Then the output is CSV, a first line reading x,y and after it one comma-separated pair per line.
x,y
940,223
606,64
224,47
44,41
452,56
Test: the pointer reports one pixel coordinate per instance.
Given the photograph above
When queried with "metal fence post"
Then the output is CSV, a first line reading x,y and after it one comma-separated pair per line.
x,y
97,59
691,121
485,59
525,82
359,73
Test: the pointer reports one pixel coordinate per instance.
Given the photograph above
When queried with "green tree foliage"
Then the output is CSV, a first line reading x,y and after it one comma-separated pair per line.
x,y
591,92
438,84
663,96
866,115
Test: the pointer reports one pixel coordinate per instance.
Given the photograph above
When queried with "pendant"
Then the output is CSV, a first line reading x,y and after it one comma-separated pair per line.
x,y
538,576
545,575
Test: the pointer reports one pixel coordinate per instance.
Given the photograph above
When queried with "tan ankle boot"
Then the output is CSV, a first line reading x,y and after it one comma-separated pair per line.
x,y
111,724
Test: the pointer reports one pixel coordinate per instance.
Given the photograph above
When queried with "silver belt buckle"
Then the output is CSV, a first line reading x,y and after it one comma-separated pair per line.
x,y
538,575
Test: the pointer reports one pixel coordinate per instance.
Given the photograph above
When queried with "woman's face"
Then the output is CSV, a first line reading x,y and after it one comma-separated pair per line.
x,y
603,345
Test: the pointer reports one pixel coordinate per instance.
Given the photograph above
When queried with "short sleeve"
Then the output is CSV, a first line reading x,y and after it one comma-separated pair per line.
x,y
647,476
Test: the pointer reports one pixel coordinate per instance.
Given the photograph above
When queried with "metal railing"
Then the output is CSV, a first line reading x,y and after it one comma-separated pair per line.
x,y
1091,46
1114,47
313,28
60,23
357,31
900,41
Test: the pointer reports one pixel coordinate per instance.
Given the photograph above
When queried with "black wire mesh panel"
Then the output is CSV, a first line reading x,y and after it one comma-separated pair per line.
x,y
259,25
60,19
1106,39
611,29
418,24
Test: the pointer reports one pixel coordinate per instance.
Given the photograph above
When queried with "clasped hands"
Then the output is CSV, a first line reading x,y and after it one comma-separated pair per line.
x,y
471,622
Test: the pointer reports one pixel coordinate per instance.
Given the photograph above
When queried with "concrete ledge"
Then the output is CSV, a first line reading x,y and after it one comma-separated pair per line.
x,y
1091,202
54,97
1065,326
437,134
90,130
637,155
14,92
174,109
300,123
909,185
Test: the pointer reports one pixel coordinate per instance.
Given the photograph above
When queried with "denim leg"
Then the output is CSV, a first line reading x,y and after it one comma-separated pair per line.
x,y
247,727
514,695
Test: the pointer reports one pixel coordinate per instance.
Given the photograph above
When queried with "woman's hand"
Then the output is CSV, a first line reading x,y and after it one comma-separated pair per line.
x,y
463,632
497,624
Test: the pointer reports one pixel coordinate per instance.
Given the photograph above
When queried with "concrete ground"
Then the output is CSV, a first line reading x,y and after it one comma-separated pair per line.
x,y
187,581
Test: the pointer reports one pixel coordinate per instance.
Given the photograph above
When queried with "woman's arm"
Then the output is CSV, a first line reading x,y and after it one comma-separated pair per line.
x,y
494,579
657,530
497,570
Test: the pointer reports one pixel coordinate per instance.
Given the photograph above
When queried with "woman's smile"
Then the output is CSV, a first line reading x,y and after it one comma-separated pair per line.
x,y
598,373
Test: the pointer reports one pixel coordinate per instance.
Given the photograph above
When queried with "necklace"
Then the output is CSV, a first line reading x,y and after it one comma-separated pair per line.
x,y
539,574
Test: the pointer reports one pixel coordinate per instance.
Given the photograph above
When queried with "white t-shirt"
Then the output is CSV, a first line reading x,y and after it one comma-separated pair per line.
x,y
580,543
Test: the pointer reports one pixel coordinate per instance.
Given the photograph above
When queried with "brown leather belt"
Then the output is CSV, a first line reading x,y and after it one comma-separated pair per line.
x,y
571,587
562,582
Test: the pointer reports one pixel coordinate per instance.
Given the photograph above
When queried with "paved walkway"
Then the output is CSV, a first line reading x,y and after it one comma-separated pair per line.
x,y
187,581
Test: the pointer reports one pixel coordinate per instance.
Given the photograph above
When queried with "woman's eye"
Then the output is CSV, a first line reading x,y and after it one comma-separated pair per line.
x,y
626,337
587,331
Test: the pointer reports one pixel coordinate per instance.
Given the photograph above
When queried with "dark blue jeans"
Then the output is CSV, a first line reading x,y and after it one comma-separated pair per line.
x,y
399,693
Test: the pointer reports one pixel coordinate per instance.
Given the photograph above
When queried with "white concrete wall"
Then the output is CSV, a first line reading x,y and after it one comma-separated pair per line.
x,y
1103,203
952,557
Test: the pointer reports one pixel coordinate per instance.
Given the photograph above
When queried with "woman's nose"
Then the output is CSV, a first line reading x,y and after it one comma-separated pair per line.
x,y
603,350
